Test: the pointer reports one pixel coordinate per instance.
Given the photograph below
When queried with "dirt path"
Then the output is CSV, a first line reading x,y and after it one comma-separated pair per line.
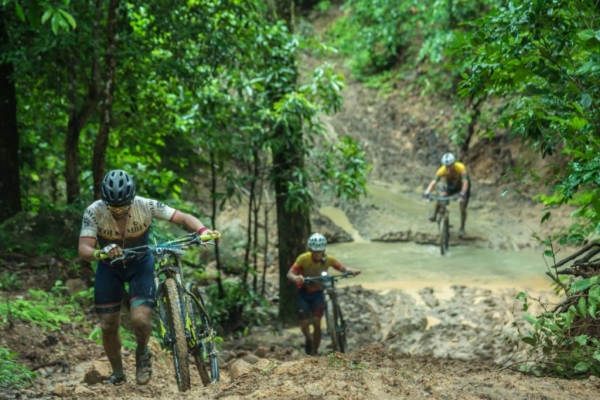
x,y
373,373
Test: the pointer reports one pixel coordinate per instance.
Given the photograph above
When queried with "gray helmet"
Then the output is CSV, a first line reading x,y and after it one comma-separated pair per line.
x,y
448,159
317,242
117,188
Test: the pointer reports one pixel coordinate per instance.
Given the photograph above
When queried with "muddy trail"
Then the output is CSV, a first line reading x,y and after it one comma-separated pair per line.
x,y
430,345
446,335
373,372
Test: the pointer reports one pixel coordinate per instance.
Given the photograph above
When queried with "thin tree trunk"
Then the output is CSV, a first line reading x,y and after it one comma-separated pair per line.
x,y
475,112
78,119
99,158
213,219
267,208
256,209
249,232
10,180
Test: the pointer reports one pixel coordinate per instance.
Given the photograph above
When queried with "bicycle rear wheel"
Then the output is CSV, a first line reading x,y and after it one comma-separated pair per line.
x,y
340,329
331,325
175,320
205,351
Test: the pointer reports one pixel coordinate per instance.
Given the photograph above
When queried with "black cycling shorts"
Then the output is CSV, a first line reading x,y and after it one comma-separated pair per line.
x,y
110,285
310,303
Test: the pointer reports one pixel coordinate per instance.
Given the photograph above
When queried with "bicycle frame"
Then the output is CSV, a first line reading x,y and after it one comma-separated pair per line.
x,y
443,220
175,302
337,332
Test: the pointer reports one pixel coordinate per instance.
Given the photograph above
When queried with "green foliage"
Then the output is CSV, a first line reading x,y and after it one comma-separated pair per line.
x,y
10,281
563,343
127,337
37,234
344,166
379,34
542,57
42,309
12,374
241,306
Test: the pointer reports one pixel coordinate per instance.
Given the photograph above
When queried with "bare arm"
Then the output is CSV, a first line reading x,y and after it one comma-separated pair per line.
x,y
87,246
431,186
465,183
192,224
294,277
188,221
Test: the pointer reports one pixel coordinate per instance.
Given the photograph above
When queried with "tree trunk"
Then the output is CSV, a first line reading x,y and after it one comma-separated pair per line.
x,y
474,113
99,158
78,119
293,225
10,181
213,219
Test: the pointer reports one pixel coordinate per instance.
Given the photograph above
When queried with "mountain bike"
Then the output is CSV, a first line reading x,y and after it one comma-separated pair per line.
x,y
184,324
443,220
334,320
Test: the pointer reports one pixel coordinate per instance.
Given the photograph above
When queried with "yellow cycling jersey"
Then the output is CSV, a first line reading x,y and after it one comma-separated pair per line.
x,y
458,173
306,266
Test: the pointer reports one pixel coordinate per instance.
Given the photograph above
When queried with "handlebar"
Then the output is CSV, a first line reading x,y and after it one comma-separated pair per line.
x,y
176,245
443,198
327,277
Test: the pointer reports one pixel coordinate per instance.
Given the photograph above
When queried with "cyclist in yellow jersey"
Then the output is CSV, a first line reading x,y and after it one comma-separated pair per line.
x,y
311,298
457,180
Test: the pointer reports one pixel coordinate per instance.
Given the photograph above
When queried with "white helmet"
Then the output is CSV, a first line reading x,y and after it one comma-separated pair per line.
x,y
317,242
448,159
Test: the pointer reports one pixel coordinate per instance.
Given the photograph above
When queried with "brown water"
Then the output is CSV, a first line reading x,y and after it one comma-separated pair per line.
x,y
411,267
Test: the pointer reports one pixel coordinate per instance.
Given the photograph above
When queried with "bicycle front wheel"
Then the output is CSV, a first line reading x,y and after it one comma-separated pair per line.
x,y
444,235
340,329
204,350
331,326
175,315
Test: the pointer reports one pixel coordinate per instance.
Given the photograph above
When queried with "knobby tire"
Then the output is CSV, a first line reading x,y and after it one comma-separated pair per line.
x,y
331,325
444,234
176,328
205,356
447,234
340,329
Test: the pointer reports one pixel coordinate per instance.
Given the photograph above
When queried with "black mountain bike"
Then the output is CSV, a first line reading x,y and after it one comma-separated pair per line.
x,y
443,220
336,327
184,324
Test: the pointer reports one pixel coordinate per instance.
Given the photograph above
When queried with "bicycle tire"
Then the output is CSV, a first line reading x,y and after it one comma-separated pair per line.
x,y
331,325
340,329
444,233
204,353
176,328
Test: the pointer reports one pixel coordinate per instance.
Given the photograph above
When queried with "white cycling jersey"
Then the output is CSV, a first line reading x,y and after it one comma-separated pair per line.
x,y
99,223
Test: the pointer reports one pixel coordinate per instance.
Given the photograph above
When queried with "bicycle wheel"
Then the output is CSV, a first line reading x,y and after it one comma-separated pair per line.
x,y
176,330
340,329
330,321
205,350
444,234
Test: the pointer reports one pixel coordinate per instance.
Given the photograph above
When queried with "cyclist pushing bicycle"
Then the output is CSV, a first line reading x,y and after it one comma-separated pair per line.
x,y
457,181
121,220
311,298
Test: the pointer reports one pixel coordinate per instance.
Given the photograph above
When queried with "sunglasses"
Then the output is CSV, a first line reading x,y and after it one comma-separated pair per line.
x,y
118,208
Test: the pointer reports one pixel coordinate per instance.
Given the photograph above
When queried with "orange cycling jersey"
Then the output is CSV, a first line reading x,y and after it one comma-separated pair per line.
x,y
306,266
455,176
